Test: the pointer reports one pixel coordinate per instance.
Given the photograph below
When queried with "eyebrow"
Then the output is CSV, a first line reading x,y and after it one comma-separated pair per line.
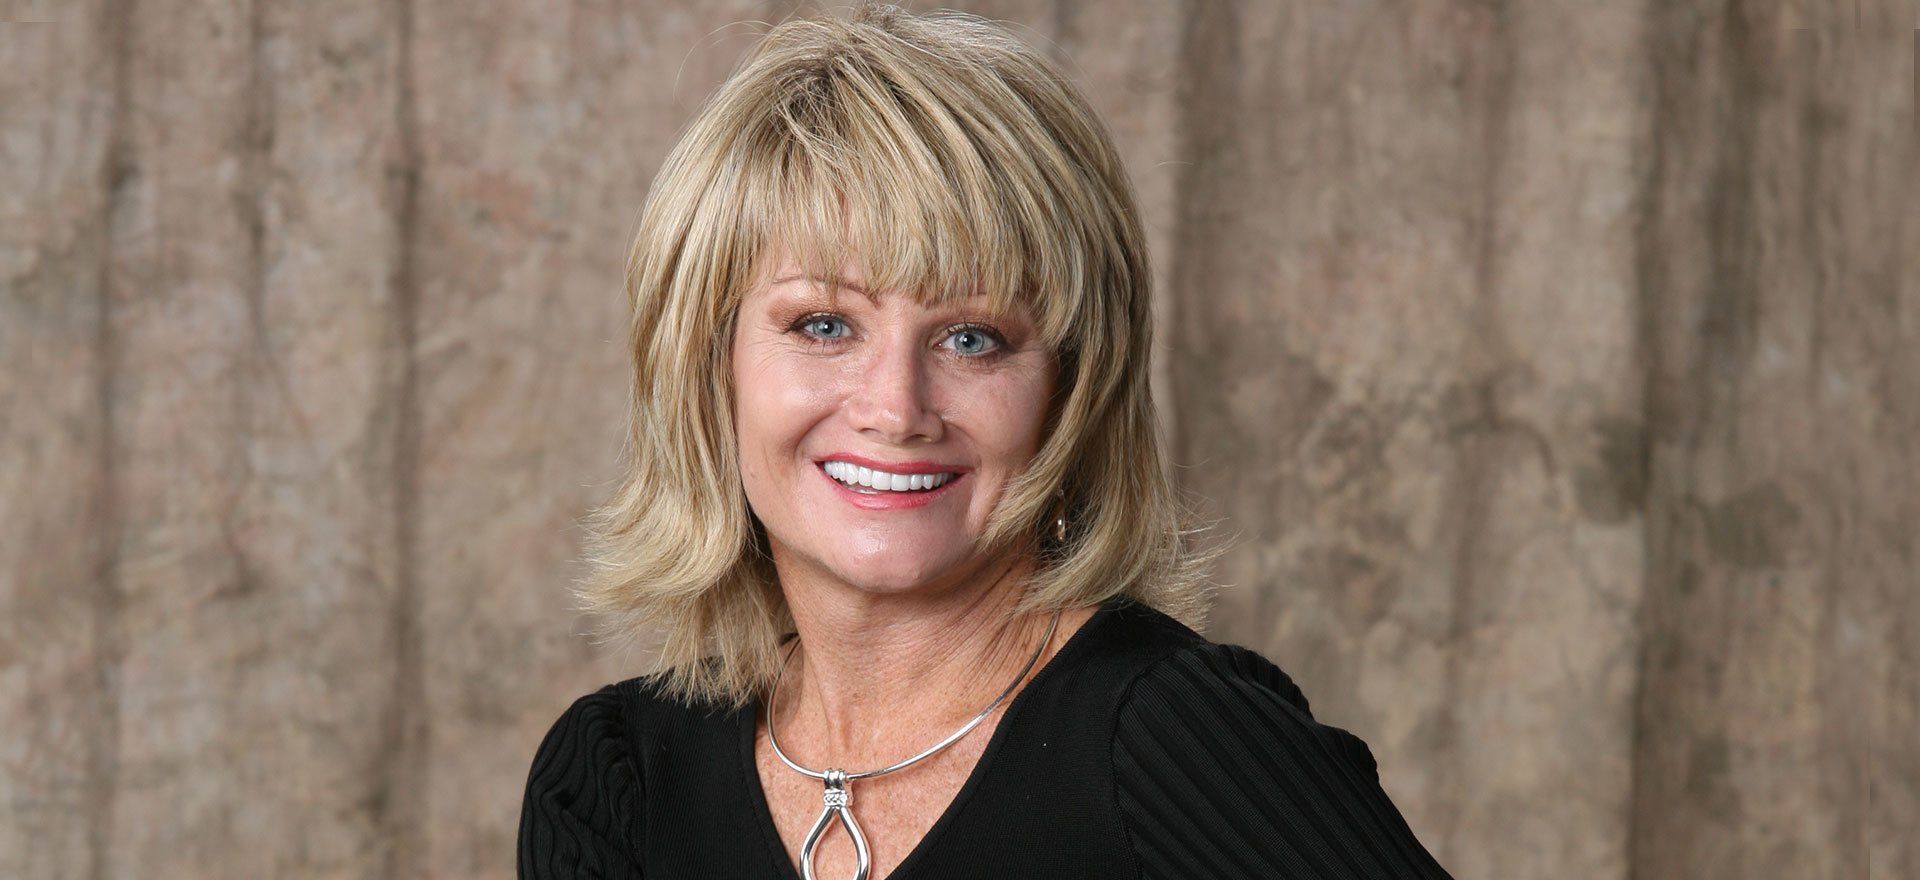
x,y
825,283
1020,316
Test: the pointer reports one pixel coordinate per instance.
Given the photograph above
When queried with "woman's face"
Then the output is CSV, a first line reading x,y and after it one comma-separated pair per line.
x,y
944,396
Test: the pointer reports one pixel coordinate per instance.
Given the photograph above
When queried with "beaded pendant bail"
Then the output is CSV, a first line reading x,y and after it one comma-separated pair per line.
x,y
838,800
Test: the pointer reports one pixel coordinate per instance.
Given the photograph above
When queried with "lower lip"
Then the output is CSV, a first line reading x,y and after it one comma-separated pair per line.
x,y
889,500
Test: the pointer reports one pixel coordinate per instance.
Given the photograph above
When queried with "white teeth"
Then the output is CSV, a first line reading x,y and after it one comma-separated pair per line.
x,y
882,481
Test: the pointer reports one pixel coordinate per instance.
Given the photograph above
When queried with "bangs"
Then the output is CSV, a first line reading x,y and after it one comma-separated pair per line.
x,y
913,180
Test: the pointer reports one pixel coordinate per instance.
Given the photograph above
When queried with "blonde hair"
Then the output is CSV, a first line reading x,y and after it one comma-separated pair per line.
x,y
953,160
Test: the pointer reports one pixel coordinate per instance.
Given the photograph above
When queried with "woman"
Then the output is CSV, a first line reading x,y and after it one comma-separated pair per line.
x,y
897,505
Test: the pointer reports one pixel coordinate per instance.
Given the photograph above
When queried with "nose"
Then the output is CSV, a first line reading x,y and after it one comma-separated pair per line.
x,y
892,400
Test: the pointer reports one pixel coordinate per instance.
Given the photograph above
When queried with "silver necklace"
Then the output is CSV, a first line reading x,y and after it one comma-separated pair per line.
x,y
838,797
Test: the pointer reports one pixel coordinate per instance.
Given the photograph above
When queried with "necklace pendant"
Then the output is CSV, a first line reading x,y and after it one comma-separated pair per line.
x,y
838,803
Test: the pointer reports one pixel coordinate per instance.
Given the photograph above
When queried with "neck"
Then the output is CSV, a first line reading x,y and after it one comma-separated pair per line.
x,y
876,679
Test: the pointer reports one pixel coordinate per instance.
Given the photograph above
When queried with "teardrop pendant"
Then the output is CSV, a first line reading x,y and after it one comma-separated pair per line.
x,y
838,800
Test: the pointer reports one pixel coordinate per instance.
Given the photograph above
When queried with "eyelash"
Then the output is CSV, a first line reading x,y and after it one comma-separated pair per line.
x,y
1000,342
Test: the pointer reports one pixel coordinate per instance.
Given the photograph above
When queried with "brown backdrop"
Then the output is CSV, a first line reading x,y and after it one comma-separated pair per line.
x,y
1555,364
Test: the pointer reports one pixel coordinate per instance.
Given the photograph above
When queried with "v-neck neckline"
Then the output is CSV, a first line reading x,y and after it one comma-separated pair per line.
x,y
749,722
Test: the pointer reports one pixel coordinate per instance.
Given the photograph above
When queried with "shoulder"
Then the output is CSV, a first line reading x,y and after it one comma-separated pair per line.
x,y
1218,760
612,723
585,789
584,762
595,723
1223,689
1176,678
607,731
1174,665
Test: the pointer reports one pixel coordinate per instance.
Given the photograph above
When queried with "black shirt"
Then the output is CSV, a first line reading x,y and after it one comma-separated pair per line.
x,y
1140,750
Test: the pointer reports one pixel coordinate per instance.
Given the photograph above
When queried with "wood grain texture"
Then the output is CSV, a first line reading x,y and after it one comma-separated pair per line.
x,y
1554,364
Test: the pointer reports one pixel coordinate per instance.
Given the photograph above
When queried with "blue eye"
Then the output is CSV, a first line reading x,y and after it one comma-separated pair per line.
x,y
814,322
970,340
976,334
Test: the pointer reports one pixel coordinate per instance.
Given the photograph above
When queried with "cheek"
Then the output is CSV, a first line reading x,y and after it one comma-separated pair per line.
x,y
777,398
1012,413
751,408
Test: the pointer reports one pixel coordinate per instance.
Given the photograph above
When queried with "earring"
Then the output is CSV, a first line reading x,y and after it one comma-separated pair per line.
x,y
1060,520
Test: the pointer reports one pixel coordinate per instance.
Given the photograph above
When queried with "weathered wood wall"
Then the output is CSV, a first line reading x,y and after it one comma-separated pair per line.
x,y
1555,365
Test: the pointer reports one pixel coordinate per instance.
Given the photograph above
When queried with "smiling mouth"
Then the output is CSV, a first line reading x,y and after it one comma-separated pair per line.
x,y
858,479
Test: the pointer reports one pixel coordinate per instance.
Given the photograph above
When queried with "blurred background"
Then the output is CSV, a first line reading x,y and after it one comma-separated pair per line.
x,y
1555,365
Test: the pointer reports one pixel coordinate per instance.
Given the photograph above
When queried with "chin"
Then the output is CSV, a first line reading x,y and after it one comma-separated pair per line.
x,y
890,581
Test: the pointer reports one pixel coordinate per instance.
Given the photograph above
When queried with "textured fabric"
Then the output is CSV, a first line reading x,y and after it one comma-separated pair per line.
x,y
1139,751
1223,772
582,794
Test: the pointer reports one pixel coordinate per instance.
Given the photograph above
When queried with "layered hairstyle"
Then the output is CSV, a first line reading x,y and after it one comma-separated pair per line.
x,y
945,159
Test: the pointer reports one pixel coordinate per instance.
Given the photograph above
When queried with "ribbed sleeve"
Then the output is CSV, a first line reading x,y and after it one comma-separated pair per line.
x,y
583,794
1222,772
